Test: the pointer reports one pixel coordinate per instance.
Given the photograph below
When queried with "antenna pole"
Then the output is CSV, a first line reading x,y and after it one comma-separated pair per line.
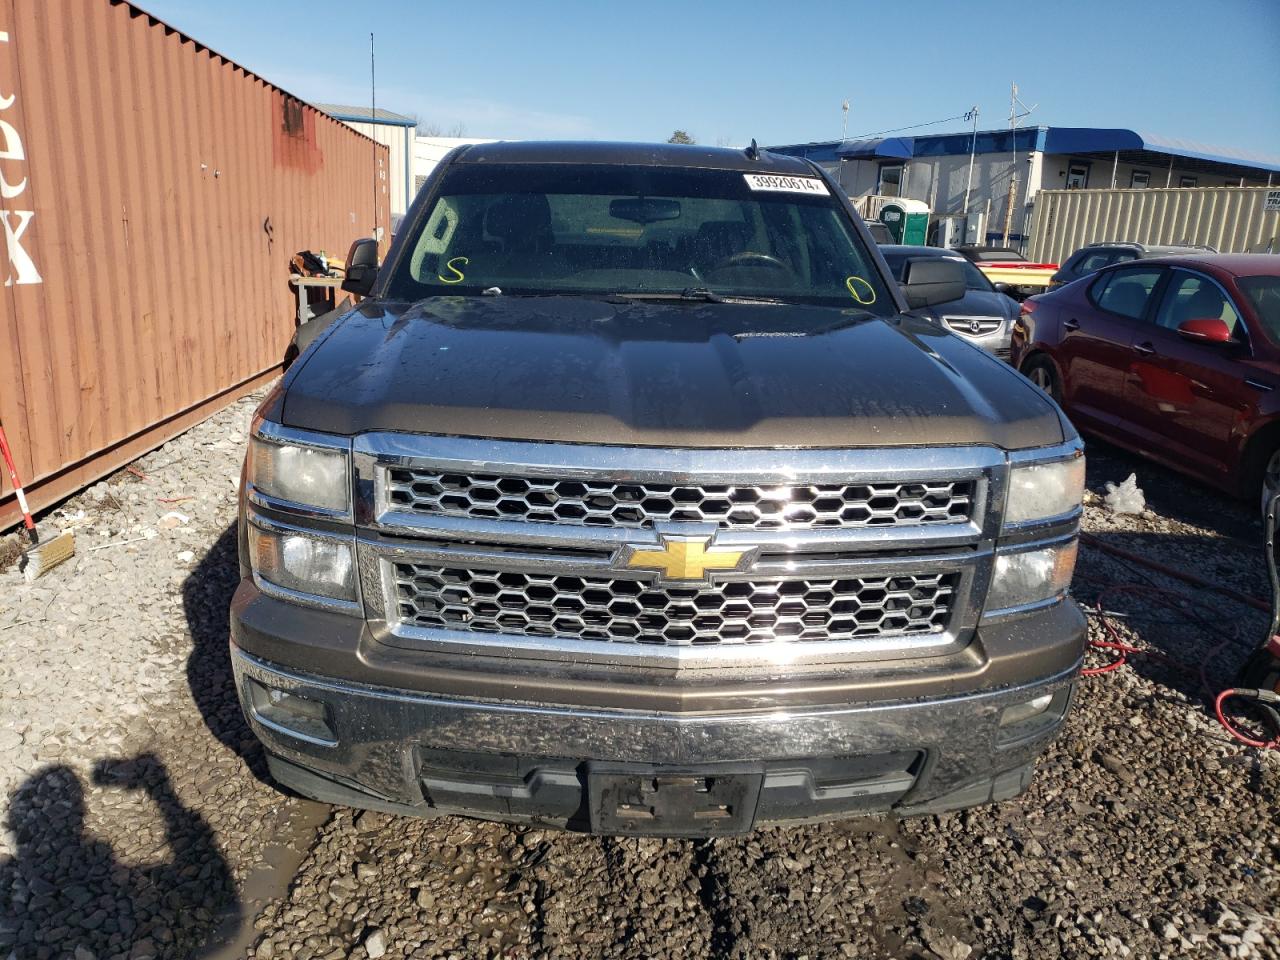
x,y
373,105
1014,117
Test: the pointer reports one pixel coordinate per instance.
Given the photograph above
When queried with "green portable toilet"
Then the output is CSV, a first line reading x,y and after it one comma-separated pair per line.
x,y
907,220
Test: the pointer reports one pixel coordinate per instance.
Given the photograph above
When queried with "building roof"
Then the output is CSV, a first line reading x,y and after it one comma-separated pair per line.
x,y
1130,144
340,111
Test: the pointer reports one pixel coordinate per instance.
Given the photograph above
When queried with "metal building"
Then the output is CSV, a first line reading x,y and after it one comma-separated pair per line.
x,y
943,169
396,132
147,271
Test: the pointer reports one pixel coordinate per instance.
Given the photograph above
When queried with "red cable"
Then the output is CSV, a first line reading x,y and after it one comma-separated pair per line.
x,y
1125,650
1273,744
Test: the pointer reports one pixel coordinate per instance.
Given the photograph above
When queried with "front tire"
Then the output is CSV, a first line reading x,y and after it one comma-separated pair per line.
x,y
1040,372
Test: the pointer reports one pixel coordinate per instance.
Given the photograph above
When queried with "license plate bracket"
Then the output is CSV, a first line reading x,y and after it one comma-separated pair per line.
x,y
644,800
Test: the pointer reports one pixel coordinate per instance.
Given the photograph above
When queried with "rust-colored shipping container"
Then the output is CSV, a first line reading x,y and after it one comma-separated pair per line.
x,y
152,193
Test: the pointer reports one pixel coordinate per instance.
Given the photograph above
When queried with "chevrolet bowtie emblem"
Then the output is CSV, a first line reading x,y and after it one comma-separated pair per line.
x,y
686,559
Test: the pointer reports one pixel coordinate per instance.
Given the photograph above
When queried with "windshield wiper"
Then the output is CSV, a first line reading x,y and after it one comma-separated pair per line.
x,y
694,294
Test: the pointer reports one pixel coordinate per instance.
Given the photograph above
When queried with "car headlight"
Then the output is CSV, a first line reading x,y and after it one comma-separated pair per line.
x,y
304,563
1042,491
1031,576
301,473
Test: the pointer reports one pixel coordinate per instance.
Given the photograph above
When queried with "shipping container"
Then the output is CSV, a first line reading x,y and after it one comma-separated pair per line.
x,y
152,193
1229,219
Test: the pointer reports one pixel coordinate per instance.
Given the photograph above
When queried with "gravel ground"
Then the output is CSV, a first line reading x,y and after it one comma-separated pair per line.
x,y
139,823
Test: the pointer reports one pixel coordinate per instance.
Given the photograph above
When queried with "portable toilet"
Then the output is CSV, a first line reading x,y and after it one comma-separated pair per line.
x,y
907,220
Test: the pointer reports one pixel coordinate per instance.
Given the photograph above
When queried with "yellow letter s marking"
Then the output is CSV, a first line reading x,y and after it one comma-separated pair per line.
x,y
450,266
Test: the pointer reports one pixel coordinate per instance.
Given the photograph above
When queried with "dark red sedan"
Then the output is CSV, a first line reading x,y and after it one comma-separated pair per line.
x,y
1176,358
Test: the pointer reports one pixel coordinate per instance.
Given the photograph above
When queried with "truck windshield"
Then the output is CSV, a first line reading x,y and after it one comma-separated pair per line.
x,y
542,229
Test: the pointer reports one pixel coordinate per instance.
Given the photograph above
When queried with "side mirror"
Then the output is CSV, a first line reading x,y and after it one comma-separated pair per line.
x,y
362,267
1206,330
1002,287
927,281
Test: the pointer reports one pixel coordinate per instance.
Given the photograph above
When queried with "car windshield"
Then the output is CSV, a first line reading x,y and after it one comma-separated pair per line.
x,y
582,229
973,277
1264,293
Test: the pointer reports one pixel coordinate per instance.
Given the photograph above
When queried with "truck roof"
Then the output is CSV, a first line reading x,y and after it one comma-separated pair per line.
x,y
633,154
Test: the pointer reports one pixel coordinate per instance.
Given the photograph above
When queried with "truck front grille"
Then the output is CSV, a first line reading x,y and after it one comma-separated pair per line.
x,y
632,611
604,503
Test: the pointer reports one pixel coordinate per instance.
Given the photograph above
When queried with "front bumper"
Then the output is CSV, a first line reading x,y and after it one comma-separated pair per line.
x,y
417,752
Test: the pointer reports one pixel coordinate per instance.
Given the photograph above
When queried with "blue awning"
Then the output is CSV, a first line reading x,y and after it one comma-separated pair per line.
x,y
889,148
1079,140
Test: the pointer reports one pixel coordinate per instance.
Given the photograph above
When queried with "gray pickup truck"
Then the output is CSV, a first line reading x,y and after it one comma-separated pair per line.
x,y
629,500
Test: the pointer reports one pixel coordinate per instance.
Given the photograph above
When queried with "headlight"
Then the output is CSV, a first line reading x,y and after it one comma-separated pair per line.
x,y
319,566
1041,491
1031,576
311,476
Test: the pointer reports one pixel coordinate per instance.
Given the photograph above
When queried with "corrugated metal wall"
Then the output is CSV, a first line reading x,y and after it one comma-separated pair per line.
x,y
152,193
1231,219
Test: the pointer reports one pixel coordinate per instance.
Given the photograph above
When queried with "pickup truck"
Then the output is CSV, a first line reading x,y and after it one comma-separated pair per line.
x,y
631,500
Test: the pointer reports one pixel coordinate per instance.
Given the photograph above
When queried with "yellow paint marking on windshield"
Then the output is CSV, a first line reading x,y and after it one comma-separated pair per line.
x,y
450,266
849,284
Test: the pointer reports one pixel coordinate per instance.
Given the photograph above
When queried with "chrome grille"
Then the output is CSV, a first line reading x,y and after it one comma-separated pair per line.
x,y
974,326
632,611
607,503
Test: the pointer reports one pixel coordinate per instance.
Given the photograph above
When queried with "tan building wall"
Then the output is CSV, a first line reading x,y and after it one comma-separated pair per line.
x,y
1230,219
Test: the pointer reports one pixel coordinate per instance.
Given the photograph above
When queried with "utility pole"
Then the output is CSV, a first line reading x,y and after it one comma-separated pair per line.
x,y
973,148
1014,118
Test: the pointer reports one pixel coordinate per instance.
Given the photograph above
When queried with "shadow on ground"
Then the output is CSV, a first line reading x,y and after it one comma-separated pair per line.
x,y
68,893
1171,495
1192,626
206,601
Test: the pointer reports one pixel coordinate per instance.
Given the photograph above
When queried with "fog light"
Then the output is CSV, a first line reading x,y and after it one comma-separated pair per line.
x,y
291,714
1025,711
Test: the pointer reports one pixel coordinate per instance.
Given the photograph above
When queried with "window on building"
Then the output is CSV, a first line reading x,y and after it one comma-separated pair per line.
x,y
1140,179
890,181
1188,181
1077,176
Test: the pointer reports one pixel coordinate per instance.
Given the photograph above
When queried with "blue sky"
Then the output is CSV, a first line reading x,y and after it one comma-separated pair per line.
x,y
775,71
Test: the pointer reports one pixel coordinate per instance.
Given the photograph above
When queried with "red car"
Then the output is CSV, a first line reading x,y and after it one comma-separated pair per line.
x,y
1177,358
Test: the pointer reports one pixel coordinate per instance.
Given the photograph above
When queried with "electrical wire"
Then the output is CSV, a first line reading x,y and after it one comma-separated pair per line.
x,y
1120,651
914,126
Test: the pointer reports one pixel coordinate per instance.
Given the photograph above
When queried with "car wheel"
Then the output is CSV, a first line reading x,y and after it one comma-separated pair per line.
x,y
1040,372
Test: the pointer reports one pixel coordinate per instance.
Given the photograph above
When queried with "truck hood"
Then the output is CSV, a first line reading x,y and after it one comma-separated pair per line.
x,y
585,370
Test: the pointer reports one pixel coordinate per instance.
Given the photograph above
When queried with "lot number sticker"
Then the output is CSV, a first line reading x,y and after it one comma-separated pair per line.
x,y
767,181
